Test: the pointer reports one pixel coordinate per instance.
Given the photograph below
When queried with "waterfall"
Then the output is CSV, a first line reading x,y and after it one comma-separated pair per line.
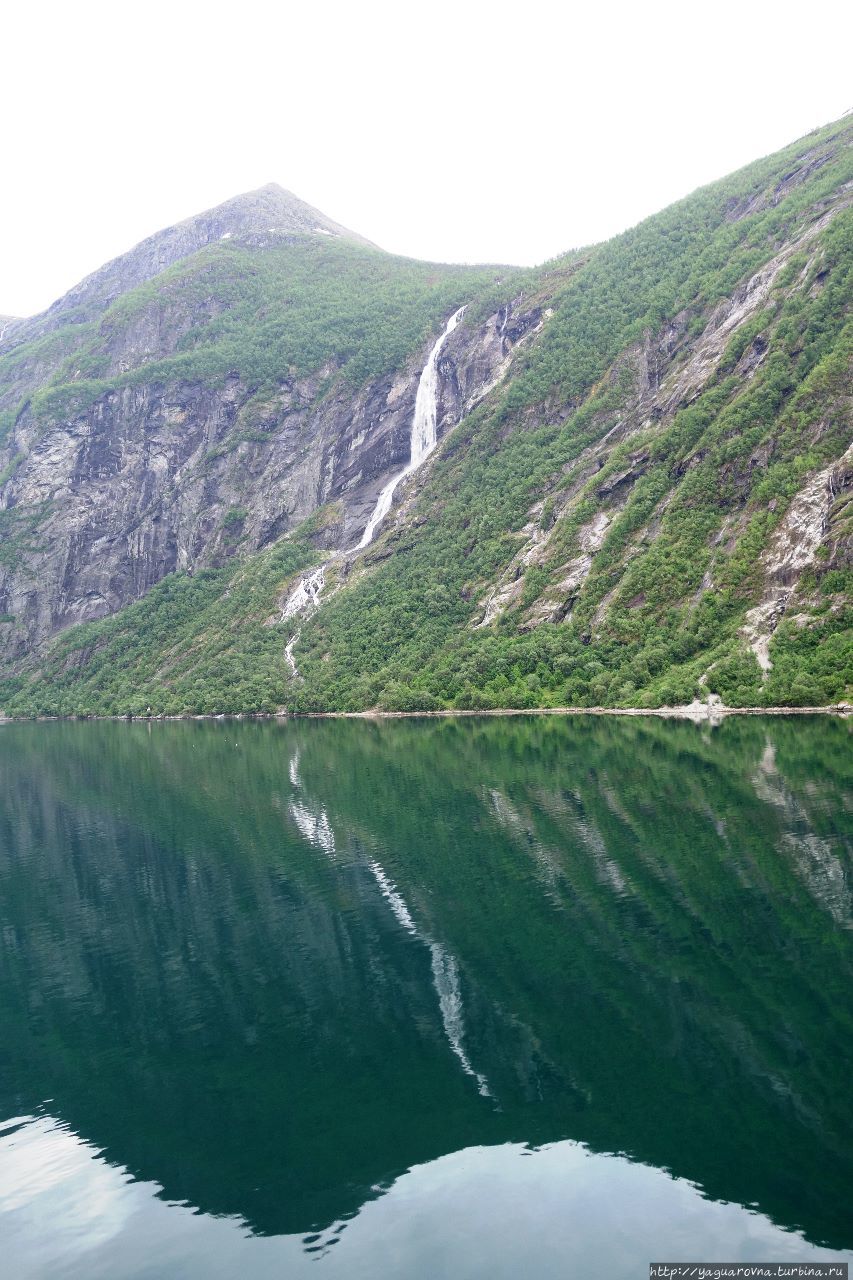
x,y
422,435
306,594
304,598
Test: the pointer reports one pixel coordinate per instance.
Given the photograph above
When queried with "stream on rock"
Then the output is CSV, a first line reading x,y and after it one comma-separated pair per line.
x,y
305,597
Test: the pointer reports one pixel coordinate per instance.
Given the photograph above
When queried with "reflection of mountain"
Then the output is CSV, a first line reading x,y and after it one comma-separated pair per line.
x,y
316,828
229,1010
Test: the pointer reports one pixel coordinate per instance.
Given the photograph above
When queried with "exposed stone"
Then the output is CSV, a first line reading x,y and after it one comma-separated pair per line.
x,y
792,549
140,484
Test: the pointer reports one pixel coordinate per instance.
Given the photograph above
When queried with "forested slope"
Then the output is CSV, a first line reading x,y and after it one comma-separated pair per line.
x,y
652,504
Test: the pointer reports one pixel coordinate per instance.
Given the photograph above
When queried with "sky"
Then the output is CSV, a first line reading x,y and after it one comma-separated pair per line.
x,y
460,130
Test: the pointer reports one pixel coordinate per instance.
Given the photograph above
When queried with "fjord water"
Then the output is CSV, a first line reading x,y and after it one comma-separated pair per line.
x,y
416,998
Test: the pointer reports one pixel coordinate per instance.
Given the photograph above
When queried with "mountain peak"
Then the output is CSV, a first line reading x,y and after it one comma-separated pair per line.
x,y
270,210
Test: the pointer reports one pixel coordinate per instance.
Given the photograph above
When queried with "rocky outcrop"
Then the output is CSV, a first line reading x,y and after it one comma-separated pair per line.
x,y
686,373
793,549
668,370
7,323
151,479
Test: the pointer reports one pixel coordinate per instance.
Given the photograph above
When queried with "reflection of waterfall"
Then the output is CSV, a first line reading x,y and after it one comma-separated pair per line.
x,y
394,899
314,827
293,770
317,830
445,976
305,597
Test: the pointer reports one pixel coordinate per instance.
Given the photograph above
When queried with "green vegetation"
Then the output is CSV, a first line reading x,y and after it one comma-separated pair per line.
x,y
196,643
11,467
717,467
689,494
264,314
19,533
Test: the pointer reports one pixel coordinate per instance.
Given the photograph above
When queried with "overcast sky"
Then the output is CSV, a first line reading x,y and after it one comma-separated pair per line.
x,y
457,131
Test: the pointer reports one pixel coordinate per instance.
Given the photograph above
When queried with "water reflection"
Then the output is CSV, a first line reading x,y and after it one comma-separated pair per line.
x,y
316,828
265,969
445,977
822,870
547,1212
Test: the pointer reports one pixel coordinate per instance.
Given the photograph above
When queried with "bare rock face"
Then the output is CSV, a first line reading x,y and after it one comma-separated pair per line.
x,y
794,547
149,480
97,505
167,471
471,364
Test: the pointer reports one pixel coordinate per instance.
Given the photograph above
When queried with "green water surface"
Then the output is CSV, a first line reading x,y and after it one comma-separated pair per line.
x,y
550,997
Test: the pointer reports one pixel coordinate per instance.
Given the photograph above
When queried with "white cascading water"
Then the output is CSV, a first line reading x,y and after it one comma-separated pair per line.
x,y
423,439
445,977
304,599
305,595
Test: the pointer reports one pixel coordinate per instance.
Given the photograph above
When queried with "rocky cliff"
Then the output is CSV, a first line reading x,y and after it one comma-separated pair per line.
x,y
150,479
642,494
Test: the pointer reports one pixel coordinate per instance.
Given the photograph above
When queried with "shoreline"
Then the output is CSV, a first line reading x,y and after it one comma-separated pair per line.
x,y
697,713
700,713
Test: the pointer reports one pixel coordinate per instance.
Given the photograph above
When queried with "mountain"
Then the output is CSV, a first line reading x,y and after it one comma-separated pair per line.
x,y
640,494
691,968
261,217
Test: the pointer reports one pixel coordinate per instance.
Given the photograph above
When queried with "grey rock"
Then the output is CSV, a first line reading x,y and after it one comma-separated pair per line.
x,y
141,483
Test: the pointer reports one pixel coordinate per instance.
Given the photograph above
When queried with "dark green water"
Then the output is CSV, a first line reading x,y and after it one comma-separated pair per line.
x,y
424,998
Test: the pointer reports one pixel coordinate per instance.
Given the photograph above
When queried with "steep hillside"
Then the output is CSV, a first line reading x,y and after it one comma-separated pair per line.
x,y
206,411
642,492
263,215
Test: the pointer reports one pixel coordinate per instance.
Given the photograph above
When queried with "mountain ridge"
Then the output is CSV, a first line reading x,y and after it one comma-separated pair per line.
x,y
248,213
640,495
